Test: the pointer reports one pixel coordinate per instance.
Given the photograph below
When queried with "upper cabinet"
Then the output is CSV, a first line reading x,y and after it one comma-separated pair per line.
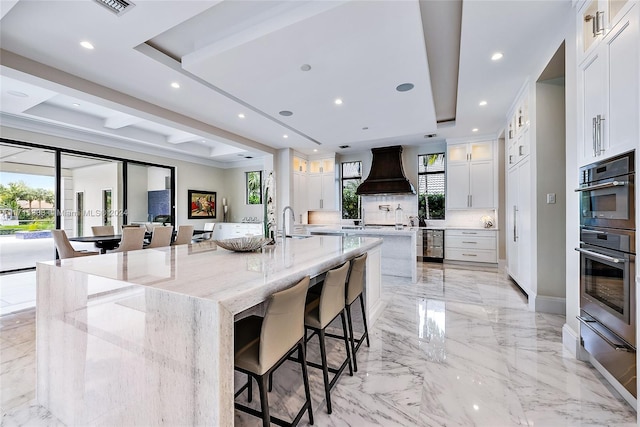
x,y
596,19
517,141
321,184
608,86
300,168
470,175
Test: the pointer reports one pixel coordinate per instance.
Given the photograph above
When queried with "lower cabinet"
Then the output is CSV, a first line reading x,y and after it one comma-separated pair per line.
x,y
231,230
471,245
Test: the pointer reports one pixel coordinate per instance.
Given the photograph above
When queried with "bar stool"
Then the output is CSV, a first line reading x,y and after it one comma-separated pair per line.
x,y
263,344
355,288
319,313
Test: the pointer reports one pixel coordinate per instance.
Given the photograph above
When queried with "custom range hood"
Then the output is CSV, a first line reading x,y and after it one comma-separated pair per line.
x,y
387,174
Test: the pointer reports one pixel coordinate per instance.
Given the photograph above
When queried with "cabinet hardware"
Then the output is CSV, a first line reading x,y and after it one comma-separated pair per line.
x,y
469,232
470,200
599,120
520,153
515,224
474,243
321,204
510,159
600,186
594,127
469,255
597,23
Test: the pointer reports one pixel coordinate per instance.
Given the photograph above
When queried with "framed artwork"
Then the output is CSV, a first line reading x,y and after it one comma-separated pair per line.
x,y
202,204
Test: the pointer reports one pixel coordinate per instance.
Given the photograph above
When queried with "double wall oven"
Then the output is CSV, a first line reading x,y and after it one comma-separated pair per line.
x,y
607,266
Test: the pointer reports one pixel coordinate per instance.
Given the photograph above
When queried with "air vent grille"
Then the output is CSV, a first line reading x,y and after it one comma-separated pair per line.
x,y
116,6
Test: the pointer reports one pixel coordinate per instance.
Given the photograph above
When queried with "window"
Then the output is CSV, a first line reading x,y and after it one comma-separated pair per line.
x,y
351,178
254,187
431,186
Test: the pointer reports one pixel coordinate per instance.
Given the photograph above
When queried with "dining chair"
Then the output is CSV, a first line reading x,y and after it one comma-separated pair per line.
x,y
161,236
65,250
262,344
320,311
185,234
132,239
102,230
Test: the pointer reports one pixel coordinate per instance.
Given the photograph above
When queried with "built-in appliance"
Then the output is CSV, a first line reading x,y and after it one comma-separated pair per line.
x,y
607,193
607,266
433,245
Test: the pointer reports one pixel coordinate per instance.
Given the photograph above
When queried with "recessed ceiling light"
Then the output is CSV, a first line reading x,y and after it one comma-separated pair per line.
x,y
86,45
175,85
18,94
285,136
496,56
305,67
75,104
338,101
404,87
315,150
241,115
285,113
474,130
483,103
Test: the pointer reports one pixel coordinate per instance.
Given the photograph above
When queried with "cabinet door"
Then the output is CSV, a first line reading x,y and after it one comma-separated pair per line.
x,y
481,151
458,186
300,195
314,191
457,153
592,88
512,211
522,144
623,49
524,225
328,192
481,185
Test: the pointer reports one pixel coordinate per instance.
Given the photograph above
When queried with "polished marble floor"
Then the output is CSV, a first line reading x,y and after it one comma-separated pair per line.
x,y
459,348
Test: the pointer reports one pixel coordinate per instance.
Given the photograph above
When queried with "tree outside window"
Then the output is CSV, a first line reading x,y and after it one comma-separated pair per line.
x,y
351,178
254,187
431,186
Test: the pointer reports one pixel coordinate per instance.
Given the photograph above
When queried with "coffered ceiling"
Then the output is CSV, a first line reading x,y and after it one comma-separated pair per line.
x,y
241,65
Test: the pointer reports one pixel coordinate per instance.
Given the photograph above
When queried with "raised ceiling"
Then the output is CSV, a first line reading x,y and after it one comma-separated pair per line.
x,y
235,58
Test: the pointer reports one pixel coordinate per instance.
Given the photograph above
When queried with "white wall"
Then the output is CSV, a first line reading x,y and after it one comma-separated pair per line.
x,y
156,178
235,193
92,181
138,201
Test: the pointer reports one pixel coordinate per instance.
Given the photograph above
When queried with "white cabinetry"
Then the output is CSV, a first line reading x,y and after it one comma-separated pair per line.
x,y
470,175
518,234
300,189
608,87
231,230
470,245
321,185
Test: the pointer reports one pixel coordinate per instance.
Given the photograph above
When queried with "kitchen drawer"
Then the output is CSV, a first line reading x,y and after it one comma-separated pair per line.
x,y
475,255
470,232
470,242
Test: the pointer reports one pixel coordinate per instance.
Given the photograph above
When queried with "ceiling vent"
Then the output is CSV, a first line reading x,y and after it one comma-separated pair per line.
x,y
116,6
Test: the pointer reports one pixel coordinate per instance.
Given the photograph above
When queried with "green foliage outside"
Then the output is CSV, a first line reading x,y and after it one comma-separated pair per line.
x,y
254,188
13,192
350,200
431,206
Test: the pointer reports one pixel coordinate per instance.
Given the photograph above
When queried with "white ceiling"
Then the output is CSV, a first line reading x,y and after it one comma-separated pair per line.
x,y
233,57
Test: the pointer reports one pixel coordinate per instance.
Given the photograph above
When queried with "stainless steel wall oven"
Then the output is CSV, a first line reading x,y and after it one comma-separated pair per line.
x,y
607,266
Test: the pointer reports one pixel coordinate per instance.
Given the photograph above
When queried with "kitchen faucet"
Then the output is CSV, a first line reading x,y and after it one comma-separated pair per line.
x,y
284,220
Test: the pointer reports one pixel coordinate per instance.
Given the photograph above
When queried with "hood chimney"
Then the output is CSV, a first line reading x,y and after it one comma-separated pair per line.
x,y
386,175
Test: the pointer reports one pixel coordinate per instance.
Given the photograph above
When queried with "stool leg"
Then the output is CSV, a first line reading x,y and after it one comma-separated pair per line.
x,y
346,341
270,381
364,319
305,377
264,402
353,347
325,369
250,388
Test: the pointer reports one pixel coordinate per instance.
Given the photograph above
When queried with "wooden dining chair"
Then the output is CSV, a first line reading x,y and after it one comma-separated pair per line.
x,y
132,239
161,236
65,250
185,234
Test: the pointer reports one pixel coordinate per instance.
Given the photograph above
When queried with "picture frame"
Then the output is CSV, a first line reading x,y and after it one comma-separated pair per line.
x,y
202,204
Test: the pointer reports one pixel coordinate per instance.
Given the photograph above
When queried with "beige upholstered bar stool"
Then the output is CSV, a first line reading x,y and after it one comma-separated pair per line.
x,y
185,234
319,313
264,343
355,288
132,239
161,236
65,250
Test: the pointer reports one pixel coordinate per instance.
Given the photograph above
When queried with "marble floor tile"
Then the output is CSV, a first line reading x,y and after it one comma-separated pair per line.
x,y
458,348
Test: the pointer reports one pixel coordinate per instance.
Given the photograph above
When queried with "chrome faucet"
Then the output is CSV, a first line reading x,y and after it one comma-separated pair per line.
x,y
284,220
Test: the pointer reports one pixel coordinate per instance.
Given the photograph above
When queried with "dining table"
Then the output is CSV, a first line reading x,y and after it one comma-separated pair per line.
x,y
104,243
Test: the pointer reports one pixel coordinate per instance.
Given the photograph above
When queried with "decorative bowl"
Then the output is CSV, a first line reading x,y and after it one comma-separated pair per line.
x,y
243,244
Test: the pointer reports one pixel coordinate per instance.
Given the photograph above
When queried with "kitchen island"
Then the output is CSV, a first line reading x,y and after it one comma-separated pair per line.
x,y
398,247
146,337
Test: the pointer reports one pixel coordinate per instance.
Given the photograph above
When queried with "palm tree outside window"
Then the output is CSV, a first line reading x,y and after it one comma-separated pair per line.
x,y
351,178
431,186
254,187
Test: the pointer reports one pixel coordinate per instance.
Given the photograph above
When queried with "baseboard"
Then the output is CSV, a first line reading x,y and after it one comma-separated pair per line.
x,y
552,305
571,341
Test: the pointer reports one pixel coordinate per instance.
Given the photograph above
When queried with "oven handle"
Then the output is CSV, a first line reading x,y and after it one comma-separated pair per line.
x,y
601,256
617,347
599,186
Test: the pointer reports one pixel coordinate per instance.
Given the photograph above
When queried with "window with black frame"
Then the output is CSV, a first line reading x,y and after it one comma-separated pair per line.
x,y
431,186
351,178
